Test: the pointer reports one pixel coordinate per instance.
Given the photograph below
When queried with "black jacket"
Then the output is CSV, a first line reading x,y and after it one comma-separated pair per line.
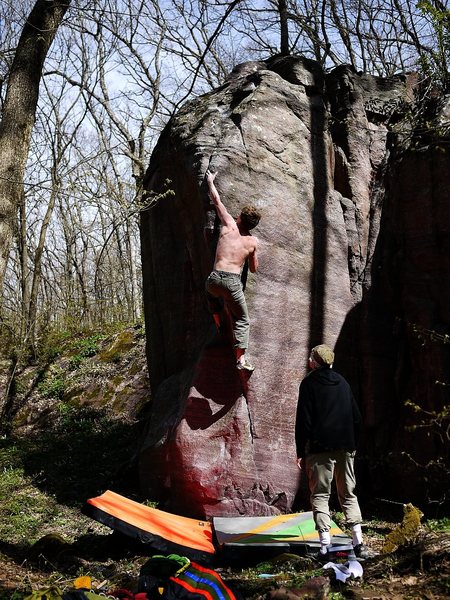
x,y
328,417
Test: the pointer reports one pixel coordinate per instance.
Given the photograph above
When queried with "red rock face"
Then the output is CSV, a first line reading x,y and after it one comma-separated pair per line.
x,y
406,317
312,154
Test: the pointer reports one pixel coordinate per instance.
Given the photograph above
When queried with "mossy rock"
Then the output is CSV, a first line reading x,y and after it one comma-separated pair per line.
x,y
50,546
406,532
122,343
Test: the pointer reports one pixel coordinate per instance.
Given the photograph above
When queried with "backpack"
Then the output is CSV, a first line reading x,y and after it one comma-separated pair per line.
x,y
175,577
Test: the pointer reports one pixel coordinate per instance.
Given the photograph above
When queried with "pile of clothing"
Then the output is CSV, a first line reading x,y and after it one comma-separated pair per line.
x,y
171,577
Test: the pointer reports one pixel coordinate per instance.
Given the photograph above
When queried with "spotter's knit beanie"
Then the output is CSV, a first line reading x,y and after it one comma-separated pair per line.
x,y
323,355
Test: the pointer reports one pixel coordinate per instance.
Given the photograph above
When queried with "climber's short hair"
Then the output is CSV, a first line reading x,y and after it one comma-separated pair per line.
x,y
250,217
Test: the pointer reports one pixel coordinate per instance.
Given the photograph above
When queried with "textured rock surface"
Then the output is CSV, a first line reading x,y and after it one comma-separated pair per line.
x,y
313,153
404,320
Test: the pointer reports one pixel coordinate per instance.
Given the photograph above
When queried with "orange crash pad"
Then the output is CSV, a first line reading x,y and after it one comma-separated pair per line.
x,y
162,531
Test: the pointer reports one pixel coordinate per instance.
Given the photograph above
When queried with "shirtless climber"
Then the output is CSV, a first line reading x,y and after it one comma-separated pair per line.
x,y
235,246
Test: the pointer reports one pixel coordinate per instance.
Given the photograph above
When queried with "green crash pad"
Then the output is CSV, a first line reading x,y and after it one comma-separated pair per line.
x,y
262,537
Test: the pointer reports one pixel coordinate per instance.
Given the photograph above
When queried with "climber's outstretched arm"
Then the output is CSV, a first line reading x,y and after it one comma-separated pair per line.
x,y
223,214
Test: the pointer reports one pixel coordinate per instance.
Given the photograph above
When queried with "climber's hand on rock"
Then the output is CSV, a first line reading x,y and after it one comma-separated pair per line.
x,y
210,176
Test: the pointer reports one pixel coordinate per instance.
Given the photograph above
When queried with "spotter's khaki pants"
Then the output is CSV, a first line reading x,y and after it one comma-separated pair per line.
x,y
321,468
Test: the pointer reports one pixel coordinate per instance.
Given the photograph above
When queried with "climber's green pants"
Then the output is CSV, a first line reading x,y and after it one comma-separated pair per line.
x,y
228,287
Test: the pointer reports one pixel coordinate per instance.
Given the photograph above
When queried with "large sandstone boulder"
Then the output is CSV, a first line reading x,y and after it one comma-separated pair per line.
x,y
313,153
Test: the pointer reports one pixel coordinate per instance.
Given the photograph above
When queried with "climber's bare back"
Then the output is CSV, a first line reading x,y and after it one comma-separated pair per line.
x,y
235,244
233,249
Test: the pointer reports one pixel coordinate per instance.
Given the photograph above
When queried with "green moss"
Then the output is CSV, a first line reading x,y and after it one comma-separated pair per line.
x,y
406,532
122,343
134,368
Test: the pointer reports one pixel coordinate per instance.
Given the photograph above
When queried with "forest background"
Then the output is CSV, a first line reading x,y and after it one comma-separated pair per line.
x,y
87,87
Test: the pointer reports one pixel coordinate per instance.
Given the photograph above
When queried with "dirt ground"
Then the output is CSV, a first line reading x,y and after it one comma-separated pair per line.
x,y
420,570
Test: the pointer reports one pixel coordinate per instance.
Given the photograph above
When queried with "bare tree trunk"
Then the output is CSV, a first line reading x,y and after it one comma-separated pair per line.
x,y
23,264
37,273
19,112
284,29
135,289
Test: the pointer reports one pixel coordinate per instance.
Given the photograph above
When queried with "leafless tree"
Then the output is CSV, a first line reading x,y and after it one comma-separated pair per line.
x,y
376,36
19,109
115,76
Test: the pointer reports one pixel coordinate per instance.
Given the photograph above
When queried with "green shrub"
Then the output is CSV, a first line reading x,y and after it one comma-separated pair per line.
x,y
53,385
75,362
89,346
439,524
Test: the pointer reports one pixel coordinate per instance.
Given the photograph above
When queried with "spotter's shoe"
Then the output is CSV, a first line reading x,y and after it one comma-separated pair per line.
x,y
322,557
335,553
362,552
244,366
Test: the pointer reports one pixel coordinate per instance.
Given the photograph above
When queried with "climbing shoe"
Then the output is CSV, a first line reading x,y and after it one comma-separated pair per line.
x,y
217,322
244,366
